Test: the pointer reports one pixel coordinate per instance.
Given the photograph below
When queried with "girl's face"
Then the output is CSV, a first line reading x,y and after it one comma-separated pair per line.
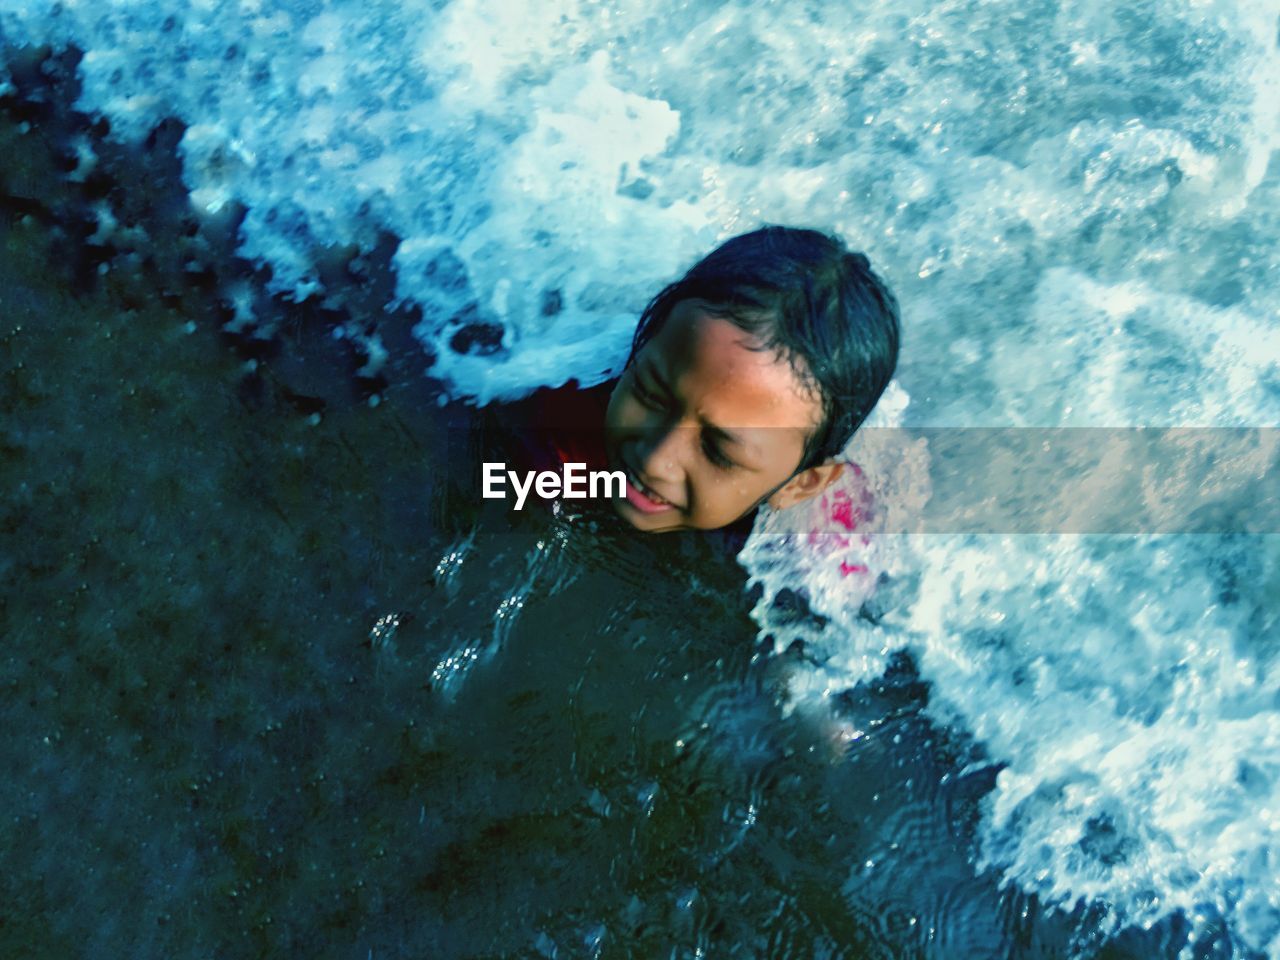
x,y
707,428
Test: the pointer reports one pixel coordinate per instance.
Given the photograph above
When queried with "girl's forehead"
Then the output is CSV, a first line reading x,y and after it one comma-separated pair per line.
x,y
730,374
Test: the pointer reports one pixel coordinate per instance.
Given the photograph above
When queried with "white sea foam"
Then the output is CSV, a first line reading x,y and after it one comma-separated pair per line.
x,y
1073,202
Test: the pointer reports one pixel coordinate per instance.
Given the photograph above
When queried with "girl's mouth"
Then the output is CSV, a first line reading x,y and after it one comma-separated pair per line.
x,y
644,499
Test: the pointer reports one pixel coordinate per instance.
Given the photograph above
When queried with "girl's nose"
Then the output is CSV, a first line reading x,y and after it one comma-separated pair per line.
x,y
664,452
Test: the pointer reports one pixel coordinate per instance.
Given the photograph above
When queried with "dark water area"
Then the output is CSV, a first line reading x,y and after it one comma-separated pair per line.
x,y
263,695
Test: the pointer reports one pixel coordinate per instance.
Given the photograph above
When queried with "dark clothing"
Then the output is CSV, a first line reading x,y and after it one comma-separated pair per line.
x,y
552,427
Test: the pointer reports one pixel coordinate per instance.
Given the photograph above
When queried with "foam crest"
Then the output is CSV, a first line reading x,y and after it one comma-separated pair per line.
x,y
1128,685
547,167
570,297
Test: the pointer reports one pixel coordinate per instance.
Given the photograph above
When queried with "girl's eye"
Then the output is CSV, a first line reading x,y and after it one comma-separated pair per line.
x,y
643,395
715,455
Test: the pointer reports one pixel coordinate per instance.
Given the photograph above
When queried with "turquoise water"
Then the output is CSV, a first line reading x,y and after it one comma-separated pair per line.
x,y
272,688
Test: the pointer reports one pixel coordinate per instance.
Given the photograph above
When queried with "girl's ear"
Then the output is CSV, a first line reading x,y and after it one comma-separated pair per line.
x,y
805,484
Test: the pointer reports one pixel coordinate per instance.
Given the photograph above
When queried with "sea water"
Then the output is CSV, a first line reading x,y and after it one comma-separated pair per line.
x,y
1078,207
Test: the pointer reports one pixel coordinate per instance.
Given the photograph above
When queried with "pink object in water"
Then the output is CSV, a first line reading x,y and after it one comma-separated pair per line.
x,y
844,513
843,509
849,511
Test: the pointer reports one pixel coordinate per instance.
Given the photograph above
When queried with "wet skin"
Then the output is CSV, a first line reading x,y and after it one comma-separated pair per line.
x,y
708,425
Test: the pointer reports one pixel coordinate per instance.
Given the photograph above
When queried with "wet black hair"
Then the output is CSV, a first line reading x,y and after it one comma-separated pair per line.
x,y
805,295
